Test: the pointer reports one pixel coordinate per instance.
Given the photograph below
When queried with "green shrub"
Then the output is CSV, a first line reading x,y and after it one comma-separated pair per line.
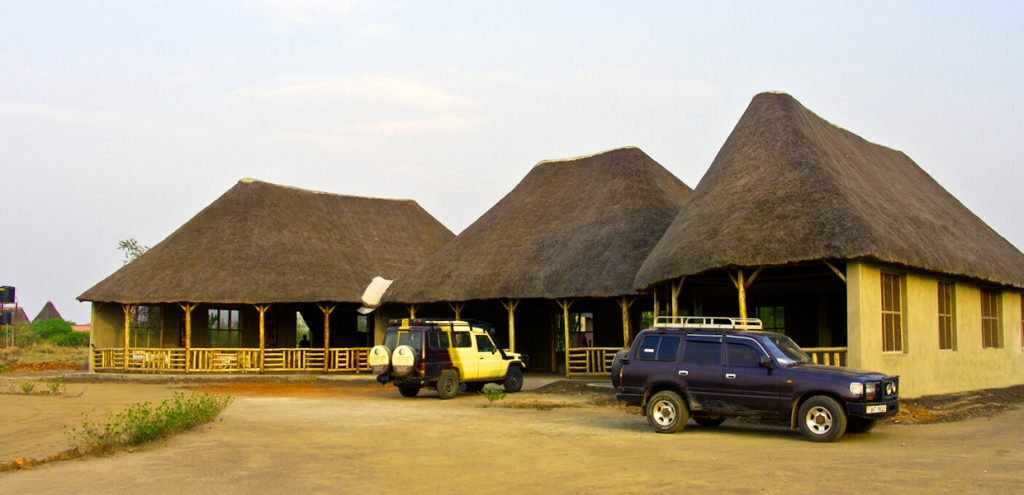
x,y
55,385
27,387
493,393
142,422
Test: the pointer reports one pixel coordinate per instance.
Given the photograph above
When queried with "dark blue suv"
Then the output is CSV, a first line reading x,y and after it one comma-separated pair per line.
x,y
713,368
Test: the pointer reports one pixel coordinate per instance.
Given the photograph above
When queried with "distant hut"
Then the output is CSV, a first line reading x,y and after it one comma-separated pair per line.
x,y
849,247
224,291
48,312
552,264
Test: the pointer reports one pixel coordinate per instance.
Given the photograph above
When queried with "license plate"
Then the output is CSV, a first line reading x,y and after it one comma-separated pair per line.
x,y
876,409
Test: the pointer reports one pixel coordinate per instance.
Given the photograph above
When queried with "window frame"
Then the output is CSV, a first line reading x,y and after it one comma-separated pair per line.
x,y
991,336
947,315
691,339
230,333
893,313
658,349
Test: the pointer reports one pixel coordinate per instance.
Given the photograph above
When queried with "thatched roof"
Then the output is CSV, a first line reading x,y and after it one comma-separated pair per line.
x,y
788,186
572,228
264,243
48,312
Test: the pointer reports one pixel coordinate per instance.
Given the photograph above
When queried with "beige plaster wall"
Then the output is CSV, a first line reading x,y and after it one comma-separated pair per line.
x,y
107,325
925,369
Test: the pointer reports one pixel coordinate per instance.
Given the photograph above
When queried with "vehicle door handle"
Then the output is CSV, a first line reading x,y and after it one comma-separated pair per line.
x,y
730,376
683,372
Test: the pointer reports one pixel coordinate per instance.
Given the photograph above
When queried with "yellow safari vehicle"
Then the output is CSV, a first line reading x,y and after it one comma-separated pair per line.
x,y
441,354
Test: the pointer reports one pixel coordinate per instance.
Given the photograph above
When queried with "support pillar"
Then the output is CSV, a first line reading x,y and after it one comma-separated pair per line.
x,y
457,309
412,311
127,308
625,303
676,289
565,305
327,310
741,287
187,308
510,306
657,305
262,310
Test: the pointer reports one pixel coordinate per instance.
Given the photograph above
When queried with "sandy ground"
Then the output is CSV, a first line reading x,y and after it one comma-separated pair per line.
x,y
361,437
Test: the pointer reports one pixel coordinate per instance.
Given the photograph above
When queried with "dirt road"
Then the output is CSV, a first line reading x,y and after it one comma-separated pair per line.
x,y
360,438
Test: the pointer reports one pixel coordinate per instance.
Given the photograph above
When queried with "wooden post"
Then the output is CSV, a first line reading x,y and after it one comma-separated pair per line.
x,y
127,308
412,311
327,310
457,309
566,304
262,310
187,308
625,304
510,306
836,271
741,287
676,289
657,305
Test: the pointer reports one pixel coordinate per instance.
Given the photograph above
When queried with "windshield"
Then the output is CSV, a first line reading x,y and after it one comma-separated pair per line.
x,y
785,351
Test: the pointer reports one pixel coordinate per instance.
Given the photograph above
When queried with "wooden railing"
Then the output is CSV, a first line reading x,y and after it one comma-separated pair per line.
x,y
230,360
591,360
831,356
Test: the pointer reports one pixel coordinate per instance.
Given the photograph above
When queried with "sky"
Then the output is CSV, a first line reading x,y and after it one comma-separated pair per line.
x,y
124,119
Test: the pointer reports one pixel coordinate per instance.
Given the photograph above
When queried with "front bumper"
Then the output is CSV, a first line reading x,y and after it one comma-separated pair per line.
x,y
860,409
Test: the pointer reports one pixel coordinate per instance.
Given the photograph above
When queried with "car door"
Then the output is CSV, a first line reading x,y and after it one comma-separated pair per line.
x,y
700,370
654,359
747,387
491,364
464,355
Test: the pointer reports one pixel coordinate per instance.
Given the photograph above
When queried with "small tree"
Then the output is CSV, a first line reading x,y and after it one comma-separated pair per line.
x,y
131,248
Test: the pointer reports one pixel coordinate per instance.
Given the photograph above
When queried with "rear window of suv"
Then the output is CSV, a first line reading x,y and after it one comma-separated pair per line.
x,y
658,348
705,352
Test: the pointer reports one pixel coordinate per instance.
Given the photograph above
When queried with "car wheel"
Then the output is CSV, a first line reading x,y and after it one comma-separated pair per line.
x,y
617,367
821,419
708,421
473,386
666,412
859,425
513,379
408,390
448,384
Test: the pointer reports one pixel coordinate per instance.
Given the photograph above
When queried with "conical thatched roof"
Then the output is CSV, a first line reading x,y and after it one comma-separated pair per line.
x,y
48,312
263,243
572,228
788,186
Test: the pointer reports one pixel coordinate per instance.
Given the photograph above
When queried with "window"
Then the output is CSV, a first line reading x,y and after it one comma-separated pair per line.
x,y
225,328
892,312
461,339
438,339
659,348
484,344
773,318
743,354
703,352
947,321
145,327
990,318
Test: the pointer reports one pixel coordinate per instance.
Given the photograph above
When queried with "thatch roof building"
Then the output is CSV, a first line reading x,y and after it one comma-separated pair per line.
x,y
262,242
788,186
48,312
578,227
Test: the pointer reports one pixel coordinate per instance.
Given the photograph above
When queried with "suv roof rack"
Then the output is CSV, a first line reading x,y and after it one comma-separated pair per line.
x,y
717,322
427,321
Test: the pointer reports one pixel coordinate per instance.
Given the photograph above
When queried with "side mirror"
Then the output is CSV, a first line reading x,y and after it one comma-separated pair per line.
x,y
766,362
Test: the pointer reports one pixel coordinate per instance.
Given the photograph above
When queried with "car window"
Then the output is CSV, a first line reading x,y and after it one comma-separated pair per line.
x,y
461,339
739,353
483,344
659,348
413,339
390,340
438,339
702,352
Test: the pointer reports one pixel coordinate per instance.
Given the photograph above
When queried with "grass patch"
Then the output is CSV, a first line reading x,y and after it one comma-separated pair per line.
x,y
12,359
493,393
142,422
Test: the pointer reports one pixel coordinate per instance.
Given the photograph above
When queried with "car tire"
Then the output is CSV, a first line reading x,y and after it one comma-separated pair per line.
x,y
708,421
821,419
448,384
617,366
408,390
473,386
513,379
860,425
666,412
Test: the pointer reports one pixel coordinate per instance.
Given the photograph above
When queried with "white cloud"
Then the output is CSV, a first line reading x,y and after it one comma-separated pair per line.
x,y
378,30
438,124
398,91
300,12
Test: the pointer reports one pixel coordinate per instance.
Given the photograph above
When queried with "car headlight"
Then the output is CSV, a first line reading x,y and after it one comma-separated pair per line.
x,y
857,388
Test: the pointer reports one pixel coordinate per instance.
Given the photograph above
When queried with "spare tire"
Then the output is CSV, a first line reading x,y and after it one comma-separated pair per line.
x,y
617,367
379,360
403,360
